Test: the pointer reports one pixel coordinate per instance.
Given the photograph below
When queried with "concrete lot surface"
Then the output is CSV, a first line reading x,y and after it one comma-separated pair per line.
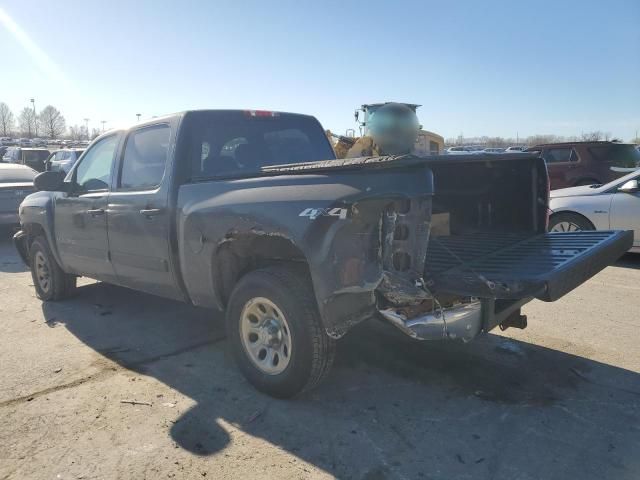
x,y
559,400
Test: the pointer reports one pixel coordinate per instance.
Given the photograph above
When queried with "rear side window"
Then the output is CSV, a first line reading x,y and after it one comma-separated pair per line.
x,y
229,143
145,157
560,155
623,156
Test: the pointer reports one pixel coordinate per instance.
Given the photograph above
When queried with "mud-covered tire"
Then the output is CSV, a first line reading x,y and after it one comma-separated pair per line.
x,y
57,285
311,350
569,222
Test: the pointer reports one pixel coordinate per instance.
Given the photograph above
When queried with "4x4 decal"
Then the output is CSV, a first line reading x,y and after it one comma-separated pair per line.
x,y
314,213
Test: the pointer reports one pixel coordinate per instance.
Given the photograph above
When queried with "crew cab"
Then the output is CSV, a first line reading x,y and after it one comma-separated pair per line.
x,y
249,212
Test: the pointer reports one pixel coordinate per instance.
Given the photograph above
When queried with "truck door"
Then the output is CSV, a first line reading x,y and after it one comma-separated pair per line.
x,y
80,216
139,213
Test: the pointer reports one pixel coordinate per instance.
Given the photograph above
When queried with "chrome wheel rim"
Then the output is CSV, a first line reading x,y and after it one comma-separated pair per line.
x,y
43,274
566,227
265,335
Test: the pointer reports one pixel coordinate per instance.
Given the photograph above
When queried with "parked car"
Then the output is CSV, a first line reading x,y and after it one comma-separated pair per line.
x,y
32,157
24,142
16,182
615,205
63,160
12,155
457,150
250,212
586,163
7,142
493,150
39,142
515,149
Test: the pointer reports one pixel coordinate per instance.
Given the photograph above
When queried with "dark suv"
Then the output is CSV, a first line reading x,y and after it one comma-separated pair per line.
x,y
585,163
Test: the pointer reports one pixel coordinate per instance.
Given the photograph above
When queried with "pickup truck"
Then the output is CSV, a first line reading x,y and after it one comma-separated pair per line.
x,y
249,212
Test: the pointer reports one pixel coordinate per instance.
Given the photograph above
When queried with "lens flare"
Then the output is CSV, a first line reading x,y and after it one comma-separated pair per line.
x,y
39,56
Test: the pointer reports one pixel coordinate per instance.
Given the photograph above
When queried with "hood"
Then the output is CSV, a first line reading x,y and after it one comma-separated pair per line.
x,y
575,191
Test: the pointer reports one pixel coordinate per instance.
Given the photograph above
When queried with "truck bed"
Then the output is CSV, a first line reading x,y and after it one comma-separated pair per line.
x,y
518,265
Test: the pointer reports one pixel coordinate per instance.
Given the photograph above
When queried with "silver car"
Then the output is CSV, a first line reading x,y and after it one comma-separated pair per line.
x,y
612,206
63,160
16,182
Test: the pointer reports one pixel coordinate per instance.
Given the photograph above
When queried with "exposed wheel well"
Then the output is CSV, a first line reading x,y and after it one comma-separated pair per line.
x,y
244,253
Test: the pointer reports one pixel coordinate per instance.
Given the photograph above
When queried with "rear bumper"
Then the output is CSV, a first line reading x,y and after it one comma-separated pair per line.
x,y
496,285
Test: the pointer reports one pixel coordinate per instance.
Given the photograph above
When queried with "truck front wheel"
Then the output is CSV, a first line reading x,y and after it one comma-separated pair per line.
x,y
276,333
49,280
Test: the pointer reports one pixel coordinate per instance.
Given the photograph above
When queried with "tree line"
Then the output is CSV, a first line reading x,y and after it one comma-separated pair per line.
x,y
48,123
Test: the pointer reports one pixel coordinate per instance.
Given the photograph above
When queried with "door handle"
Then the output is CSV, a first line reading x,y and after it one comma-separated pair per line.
x,y
95,211
151,212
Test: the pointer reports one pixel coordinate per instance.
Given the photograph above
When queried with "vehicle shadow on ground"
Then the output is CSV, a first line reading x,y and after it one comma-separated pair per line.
x,y
9,261
629,260
390,404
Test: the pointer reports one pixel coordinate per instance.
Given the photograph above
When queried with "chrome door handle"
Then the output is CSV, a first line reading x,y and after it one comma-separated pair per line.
x,y
150,212
95,211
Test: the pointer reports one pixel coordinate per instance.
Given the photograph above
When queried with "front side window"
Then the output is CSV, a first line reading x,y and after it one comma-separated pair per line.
x,y
145,157
94,172
560,155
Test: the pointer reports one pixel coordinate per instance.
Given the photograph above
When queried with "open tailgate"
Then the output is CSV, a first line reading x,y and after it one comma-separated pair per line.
x,y
514,266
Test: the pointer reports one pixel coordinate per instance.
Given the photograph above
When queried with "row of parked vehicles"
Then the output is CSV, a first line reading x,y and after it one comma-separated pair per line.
x,y
41,159
250,212
41,142
573,164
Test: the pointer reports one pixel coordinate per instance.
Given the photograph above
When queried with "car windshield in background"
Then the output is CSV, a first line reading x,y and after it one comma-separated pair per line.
x,y
17,175
241,143
620,155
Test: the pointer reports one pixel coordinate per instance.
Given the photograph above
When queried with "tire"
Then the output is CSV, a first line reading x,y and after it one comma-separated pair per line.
x,y
50,281
287,325
569,222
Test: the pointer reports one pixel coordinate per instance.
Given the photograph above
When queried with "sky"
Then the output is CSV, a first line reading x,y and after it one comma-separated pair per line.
x,y
497,68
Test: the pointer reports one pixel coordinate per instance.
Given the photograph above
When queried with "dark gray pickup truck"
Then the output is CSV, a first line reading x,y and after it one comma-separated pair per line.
x,y
250,212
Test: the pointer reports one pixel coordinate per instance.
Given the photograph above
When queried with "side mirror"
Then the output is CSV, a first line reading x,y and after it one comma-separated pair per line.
x,y
50,182
629,187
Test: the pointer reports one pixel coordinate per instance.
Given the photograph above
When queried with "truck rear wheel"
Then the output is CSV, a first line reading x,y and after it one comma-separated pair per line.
x,y
49,280
276,333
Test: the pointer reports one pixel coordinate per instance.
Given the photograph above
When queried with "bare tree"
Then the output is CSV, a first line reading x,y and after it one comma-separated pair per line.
x,y
95,133
52,123
75,132
6,120
27,122
595,136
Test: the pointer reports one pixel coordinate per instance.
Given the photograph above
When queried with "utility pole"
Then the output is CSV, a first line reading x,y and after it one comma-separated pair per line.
x,y
103,122
86,126
35,116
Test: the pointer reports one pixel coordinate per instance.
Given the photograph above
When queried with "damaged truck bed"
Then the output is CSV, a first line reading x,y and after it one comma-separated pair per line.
x,y
249,212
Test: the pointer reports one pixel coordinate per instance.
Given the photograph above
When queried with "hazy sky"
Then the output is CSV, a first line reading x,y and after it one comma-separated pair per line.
x,y
477,67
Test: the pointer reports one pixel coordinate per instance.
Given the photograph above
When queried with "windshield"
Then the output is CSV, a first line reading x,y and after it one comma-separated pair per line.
x,y
225,143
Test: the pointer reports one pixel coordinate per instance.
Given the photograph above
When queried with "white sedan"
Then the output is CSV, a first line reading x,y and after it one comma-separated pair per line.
x,y
613,206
